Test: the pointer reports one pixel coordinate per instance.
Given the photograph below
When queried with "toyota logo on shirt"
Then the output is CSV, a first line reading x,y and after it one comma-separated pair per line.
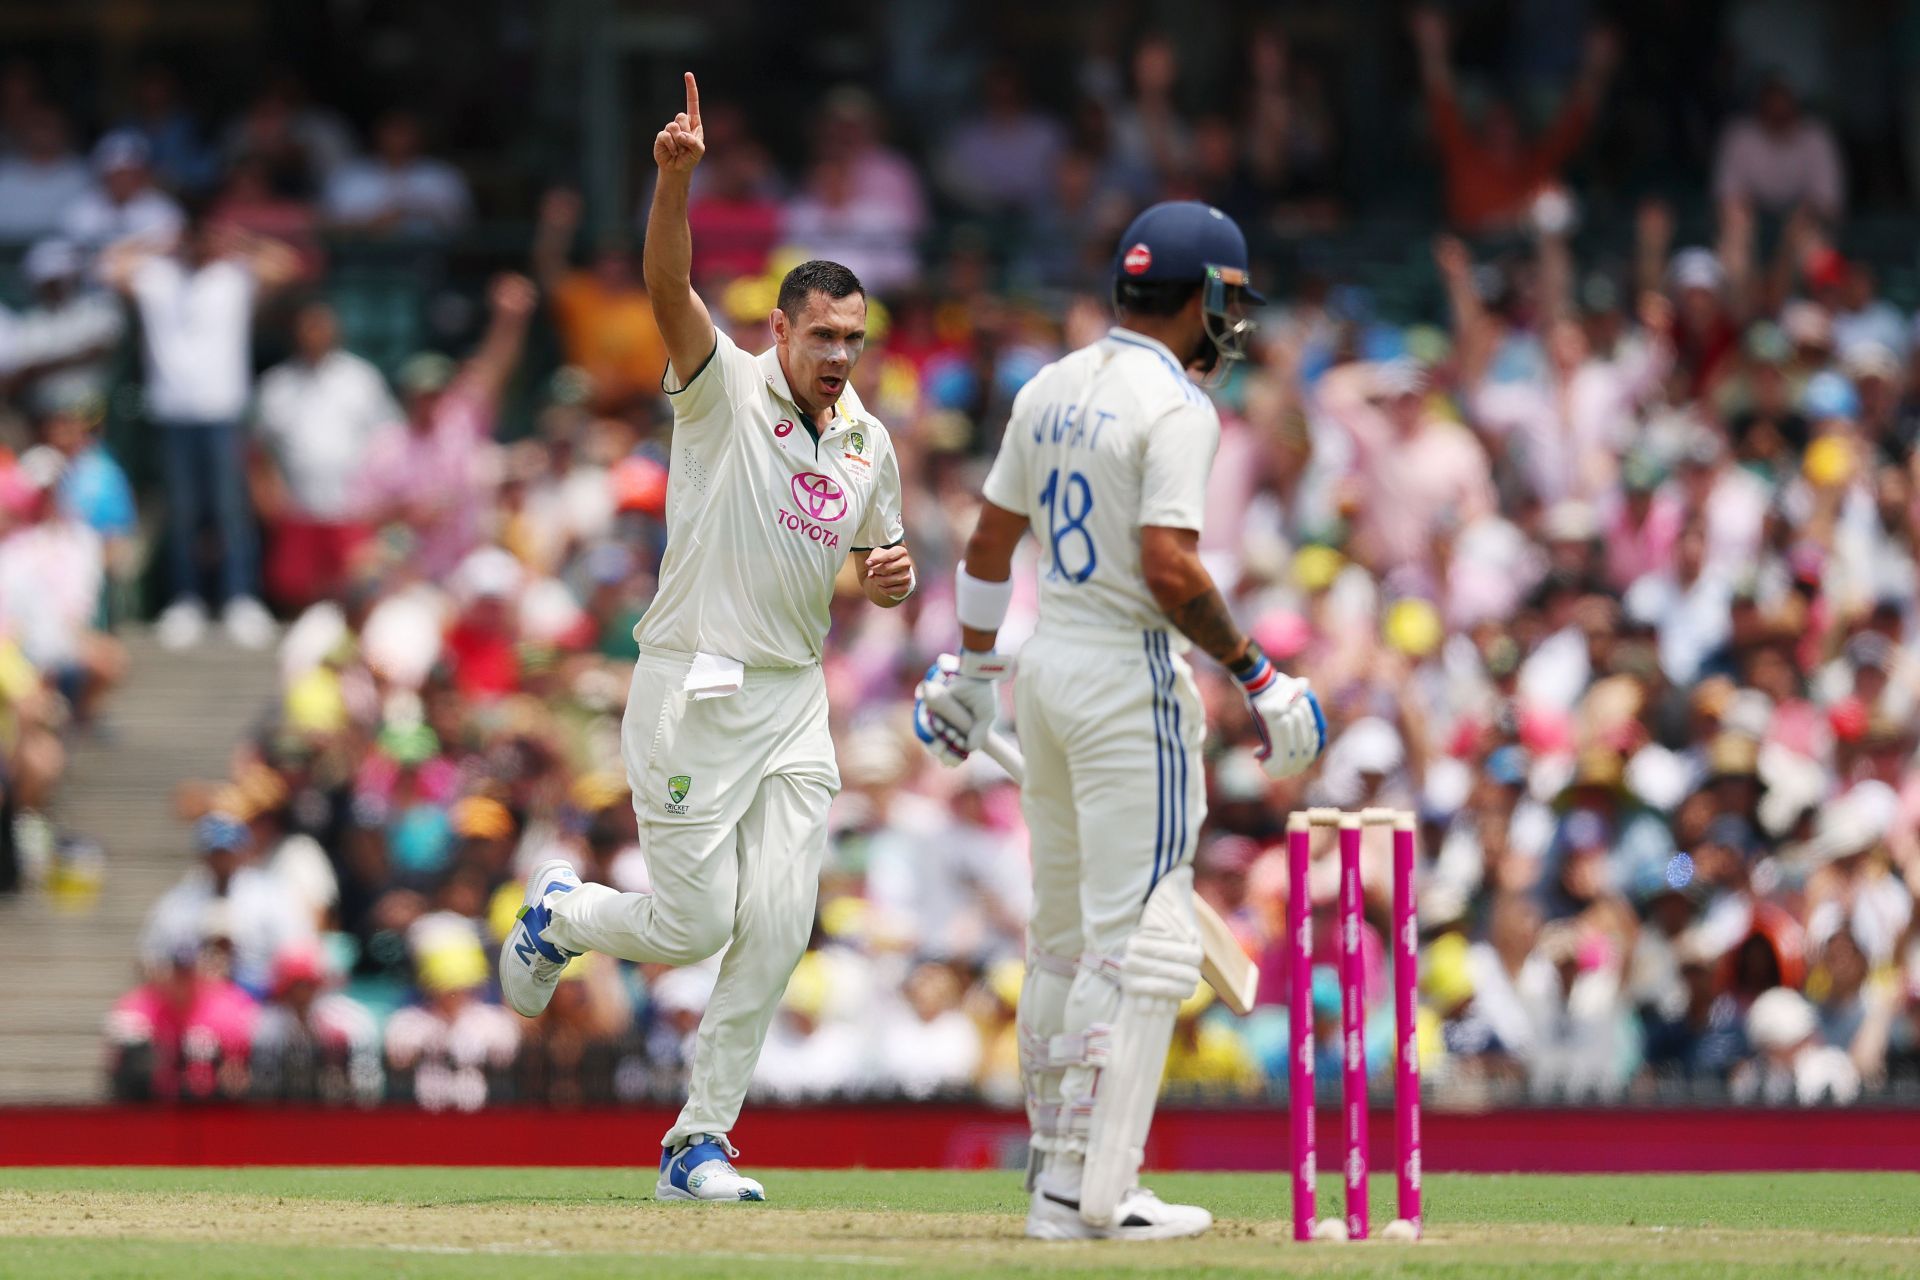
x,y
819,496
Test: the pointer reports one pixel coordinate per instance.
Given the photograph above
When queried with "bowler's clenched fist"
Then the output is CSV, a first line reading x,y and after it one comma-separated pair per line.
x,y
890,571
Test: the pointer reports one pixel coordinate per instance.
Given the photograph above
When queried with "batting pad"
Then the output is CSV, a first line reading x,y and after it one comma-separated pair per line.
x,y
1161,968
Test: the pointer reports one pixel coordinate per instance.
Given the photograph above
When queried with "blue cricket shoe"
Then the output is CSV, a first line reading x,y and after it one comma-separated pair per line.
x,y
530,965
701,1168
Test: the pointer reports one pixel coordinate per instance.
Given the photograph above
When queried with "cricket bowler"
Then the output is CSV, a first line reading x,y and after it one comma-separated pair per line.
x,y
1105,459
777,476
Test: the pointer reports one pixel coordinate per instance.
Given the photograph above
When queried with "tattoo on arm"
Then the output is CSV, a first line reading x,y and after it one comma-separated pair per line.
x,y
1205,621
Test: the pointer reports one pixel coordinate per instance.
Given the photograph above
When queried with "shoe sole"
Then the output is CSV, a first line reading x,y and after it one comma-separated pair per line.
x,y
539,877
667,1191
1053,1230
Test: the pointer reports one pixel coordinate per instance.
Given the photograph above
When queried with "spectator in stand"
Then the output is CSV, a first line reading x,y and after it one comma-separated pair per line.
x,y
872,235
877,173
305,144
58,353
93,487
180,158
260,200
312,1043
1292,142
398,190
1794,1065
481,645
184,1033
316,416
41,180
946,877
1641,526
810,1054
1001,161
1069,243
735,212
1493,174
123,203
574,1042
1779,160
196,307
604,316
1149,129
926,1044
454,1041
1415,477
1207,1057
52,571
1564,423
264,916
428,472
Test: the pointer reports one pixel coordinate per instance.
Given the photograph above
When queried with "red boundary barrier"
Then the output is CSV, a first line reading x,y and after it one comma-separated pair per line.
x,y
899,1136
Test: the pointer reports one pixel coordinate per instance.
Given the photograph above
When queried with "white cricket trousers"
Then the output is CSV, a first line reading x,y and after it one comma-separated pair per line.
x,y
732,796
1111,726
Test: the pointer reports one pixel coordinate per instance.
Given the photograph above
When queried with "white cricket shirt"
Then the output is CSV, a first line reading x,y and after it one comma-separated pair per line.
x,y
1102,442
198,330
760,515
318,421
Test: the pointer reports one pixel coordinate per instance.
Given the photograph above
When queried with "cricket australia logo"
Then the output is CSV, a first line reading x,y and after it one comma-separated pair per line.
x,y
856,449
677,787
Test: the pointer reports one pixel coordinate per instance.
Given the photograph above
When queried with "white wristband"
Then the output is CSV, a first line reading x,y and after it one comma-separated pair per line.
x,y
980,605
913,585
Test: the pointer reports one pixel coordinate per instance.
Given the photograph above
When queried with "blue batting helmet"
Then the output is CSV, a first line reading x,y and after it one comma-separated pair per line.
x,y
1187,242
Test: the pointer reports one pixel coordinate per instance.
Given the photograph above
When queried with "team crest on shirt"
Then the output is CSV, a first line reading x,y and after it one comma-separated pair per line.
x,y
856,448
677,787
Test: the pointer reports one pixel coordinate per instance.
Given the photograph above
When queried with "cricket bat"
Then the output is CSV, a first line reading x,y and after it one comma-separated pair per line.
x,y
1231,972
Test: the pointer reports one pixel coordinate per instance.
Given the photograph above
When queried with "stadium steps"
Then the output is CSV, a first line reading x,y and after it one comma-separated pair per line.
x,y
178,717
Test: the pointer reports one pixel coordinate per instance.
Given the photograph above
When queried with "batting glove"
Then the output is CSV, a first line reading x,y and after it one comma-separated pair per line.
x,y
1292,728
954,707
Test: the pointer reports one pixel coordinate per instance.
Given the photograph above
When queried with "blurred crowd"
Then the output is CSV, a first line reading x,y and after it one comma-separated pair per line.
x,y
1607,571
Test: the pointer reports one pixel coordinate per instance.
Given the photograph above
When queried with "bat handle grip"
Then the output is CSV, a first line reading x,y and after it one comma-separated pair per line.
x,y
1003,753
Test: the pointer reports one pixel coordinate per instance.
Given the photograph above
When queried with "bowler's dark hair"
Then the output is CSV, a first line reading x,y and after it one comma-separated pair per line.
x,y
817,276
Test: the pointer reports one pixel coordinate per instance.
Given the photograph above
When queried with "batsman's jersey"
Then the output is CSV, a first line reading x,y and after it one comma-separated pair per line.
x,y
760,515
1102,442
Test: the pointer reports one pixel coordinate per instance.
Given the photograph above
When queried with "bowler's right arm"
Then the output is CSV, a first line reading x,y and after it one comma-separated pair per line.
x,y
667,260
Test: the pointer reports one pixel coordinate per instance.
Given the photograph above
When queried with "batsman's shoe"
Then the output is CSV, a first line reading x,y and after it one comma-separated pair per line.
x,y
1141,1216
702,1169
530,965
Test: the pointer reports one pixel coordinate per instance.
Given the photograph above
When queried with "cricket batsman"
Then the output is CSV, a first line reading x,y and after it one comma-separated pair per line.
x,y
1106,459
777,476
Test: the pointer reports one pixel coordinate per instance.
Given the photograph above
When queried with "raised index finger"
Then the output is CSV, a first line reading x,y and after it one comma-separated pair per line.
x,y
693,100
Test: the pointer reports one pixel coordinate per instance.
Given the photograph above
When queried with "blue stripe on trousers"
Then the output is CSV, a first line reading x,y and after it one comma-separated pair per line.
x,y
1178,749
1160,807
1166,750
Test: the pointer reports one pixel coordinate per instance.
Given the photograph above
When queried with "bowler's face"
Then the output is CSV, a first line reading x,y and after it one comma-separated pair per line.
x,y
821,345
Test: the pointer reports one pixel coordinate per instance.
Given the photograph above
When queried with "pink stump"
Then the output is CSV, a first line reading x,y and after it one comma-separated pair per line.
x,y
1353,1028
1300,1027
1406,1079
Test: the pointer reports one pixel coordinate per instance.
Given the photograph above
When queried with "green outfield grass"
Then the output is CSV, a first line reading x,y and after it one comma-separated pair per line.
x,y
482,1223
